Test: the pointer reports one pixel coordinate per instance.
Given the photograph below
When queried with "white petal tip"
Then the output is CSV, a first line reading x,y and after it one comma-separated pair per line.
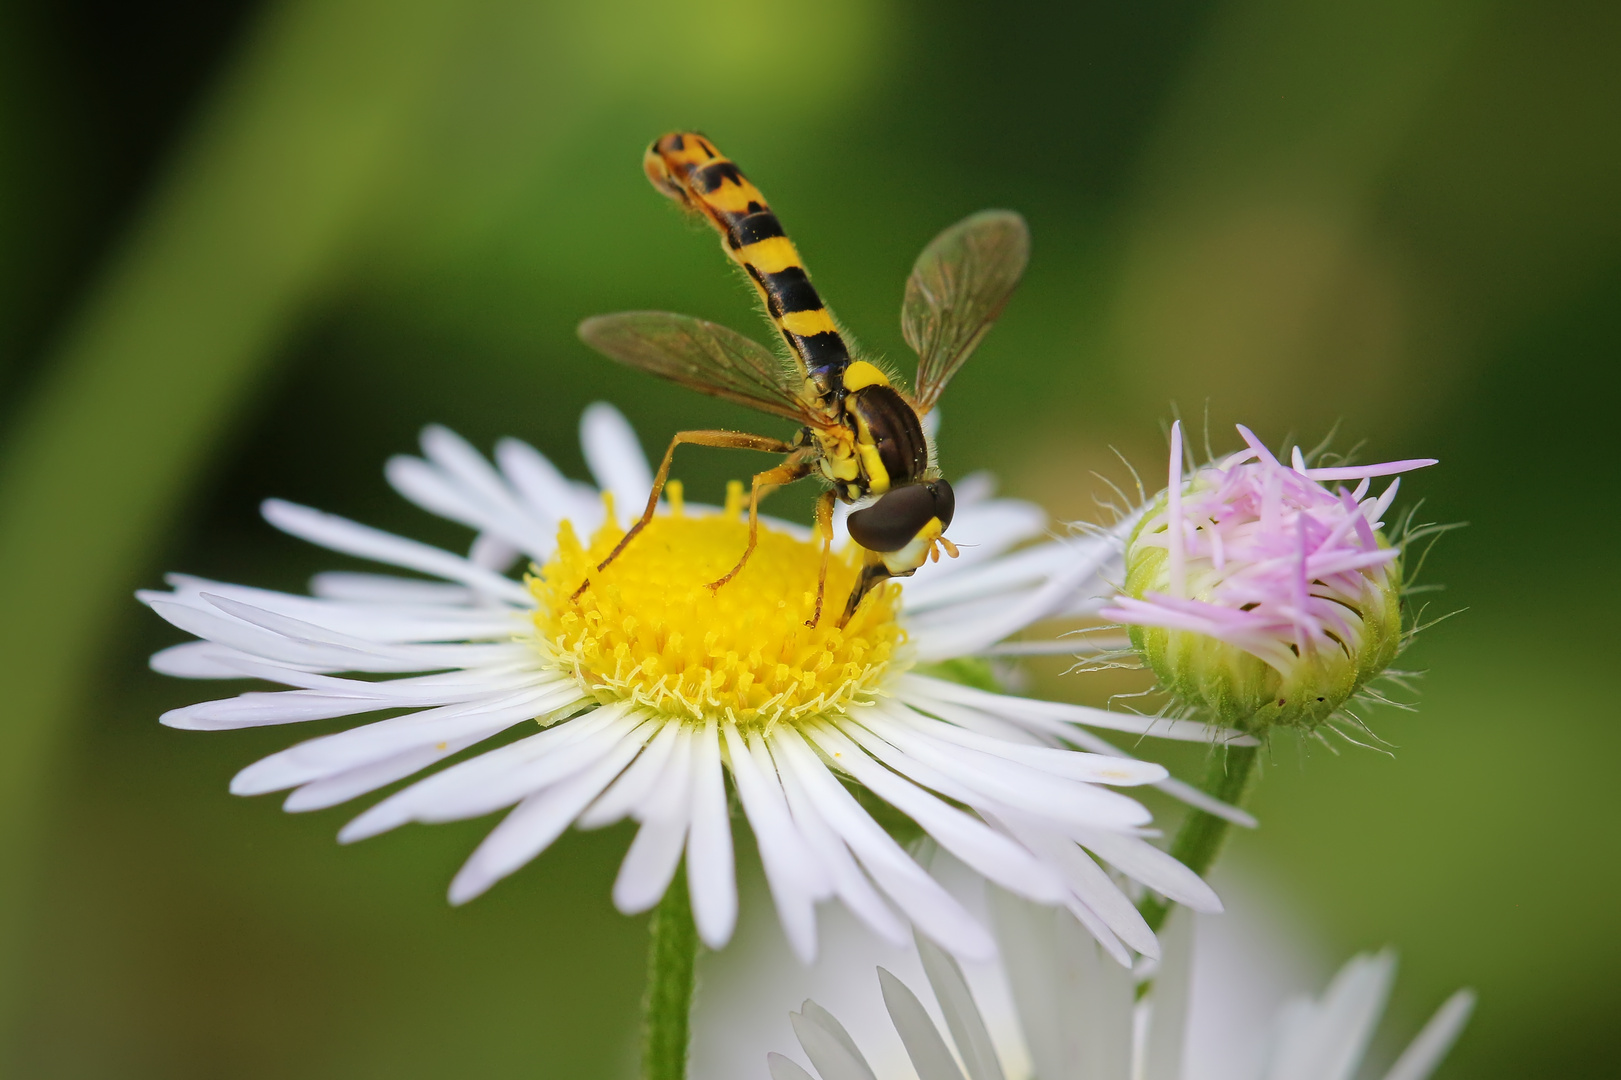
x,y
466,887
716,937
630,905
368,825
243,783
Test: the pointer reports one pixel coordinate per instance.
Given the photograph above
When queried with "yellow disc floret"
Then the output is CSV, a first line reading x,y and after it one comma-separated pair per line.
x,y
651,630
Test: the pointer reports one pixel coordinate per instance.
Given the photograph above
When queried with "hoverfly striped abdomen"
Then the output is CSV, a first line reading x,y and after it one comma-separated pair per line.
x,y
687,168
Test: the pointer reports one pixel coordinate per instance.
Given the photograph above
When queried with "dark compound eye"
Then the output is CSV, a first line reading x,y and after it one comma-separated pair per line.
x,y
901,513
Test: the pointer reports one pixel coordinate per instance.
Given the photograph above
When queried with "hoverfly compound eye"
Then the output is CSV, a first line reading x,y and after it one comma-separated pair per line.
x,y
900,514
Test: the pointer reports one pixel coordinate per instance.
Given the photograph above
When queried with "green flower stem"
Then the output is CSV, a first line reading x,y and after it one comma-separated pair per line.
x,y
672,952
1199,840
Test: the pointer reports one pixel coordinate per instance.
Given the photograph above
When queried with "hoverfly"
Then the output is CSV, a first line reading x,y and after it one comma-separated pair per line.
x,y
860,433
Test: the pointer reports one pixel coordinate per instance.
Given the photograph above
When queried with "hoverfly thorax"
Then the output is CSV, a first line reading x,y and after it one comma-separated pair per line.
x,y
859,433
889,447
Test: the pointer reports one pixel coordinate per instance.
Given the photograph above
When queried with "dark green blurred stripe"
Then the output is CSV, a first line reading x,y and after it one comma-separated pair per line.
x,y
250,227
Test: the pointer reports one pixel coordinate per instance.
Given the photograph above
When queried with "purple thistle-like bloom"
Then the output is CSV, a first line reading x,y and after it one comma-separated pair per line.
x,y
1257,591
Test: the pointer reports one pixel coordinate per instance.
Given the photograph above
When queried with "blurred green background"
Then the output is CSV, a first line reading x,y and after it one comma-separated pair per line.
x,y
250,248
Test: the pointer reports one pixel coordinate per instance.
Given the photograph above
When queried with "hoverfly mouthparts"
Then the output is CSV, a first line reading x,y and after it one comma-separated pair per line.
x,y
860,435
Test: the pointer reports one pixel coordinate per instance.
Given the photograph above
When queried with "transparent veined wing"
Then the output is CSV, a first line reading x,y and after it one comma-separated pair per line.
x,y
958,287
703,356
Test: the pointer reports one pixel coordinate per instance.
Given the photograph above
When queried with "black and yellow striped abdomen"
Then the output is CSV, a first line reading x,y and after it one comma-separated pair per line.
x,y
687,167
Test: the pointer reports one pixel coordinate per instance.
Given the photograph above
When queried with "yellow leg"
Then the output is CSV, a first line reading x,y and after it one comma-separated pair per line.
x,y
824,526
871,574
732,440
786,473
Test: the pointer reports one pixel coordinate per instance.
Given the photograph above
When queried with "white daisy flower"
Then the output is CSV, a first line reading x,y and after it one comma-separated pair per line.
x,y
648,688
1080,1016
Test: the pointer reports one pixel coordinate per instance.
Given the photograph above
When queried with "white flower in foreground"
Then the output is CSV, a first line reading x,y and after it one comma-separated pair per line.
x,y
648,688
1259,595
1081,1017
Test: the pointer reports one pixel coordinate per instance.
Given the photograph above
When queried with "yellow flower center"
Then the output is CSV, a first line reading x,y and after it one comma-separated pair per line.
x,y
651,630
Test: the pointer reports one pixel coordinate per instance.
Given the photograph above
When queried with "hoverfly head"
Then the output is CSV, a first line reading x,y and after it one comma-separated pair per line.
x,y
903,516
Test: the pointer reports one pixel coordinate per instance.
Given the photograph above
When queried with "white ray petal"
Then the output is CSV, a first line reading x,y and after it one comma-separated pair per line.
x,y
828,1045
341,787
635,783
379,622
363,541
989,776
793,873
547,493
1055,716
983,793
423,656
1076,765
1425,1052
849,883
261,634
650,864
1094,925
614,456
976,581
520,768
264,708
481,790
1187,793
968,838
1325,1039
782,1068
415,691
711,872
666,815
930,1055
1090,884
345,750
930,626
364,588
929,906
434,491
1151,866
201,660
980,723
538,820
245,637
971,636
1044,1003
462,463
752,768
962,1016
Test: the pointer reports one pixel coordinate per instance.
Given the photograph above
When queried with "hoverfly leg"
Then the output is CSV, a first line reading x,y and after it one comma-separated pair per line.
x,y
732,440
871,574
795,468
824,526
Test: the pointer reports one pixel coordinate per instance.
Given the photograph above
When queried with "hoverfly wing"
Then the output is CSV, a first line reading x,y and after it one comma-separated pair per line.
x,y
702,356
958,287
